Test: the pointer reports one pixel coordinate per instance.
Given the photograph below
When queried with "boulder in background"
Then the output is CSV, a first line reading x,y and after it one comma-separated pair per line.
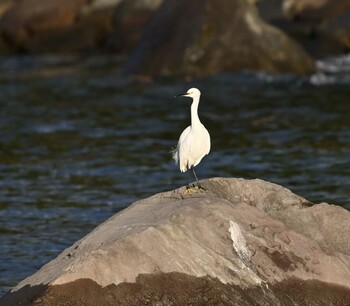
x,y
26,20
206,37
322,27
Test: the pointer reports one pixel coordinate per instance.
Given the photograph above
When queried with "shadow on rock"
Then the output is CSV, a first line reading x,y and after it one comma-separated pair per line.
x,y
180,289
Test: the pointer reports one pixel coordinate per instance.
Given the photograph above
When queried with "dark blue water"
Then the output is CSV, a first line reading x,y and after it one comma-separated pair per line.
x,y
78,143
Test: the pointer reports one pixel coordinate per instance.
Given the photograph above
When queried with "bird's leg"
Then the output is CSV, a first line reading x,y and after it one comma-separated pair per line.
x,y
194,188
194,173
198,185
190,188
189,177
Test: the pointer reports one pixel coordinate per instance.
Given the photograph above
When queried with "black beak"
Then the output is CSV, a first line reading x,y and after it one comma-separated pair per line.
x,y
181,95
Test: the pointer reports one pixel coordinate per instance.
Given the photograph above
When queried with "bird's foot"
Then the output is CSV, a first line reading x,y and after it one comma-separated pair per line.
x,y
193,189
190,189
200,188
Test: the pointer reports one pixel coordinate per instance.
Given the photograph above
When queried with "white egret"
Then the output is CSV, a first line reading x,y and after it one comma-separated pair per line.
x,y
194,142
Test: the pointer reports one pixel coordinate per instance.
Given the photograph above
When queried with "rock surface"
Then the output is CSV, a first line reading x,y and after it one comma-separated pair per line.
x,y
129,20
205,37
322,27
197,38
64,26
29,20
315,10
242,242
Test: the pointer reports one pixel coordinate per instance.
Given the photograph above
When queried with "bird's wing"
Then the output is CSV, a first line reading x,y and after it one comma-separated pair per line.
x,y
184,135
176,151
184,148
209,143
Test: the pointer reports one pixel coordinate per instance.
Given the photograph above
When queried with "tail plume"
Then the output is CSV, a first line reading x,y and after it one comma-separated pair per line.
x,y
175,154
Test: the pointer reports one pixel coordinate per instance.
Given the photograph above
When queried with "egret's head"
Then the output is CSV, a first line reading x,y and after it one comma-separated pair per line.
x,y
192,93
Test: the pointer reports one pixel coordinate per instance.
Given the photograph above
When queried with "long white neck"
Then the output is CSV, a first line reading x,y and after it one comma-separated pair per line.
x,y
194,113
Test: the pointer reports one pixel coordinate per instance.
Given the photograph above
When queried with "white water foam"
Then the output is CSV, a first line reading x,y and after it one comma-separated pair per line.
x,y
332,70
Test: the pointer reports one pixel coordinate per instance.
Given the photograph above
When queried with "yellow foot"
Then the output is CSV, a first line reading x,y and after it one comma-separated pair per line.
x,y
190,190
200,188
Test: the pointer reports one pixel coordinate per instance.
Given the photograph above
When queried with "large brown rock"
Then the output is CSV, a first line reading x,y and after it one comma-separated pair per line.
x,y
94,6
337,30
239,243
41,26
205,37
321,26
5,5
87,34
315,10
26,19
129,21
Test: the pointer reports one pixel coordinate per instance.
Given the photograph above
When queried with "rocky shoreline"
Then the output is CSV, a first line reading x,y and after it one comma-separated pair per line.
x,y
246,242
167,37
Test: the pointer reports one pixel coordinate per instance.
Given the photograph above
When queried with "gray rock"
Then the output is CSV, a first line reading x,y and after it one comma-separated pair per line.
x,y
242,242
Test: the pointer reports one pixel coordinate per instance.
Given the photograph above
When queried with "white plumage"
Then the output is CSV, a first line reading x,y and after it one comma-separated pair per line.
x,y
194,142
